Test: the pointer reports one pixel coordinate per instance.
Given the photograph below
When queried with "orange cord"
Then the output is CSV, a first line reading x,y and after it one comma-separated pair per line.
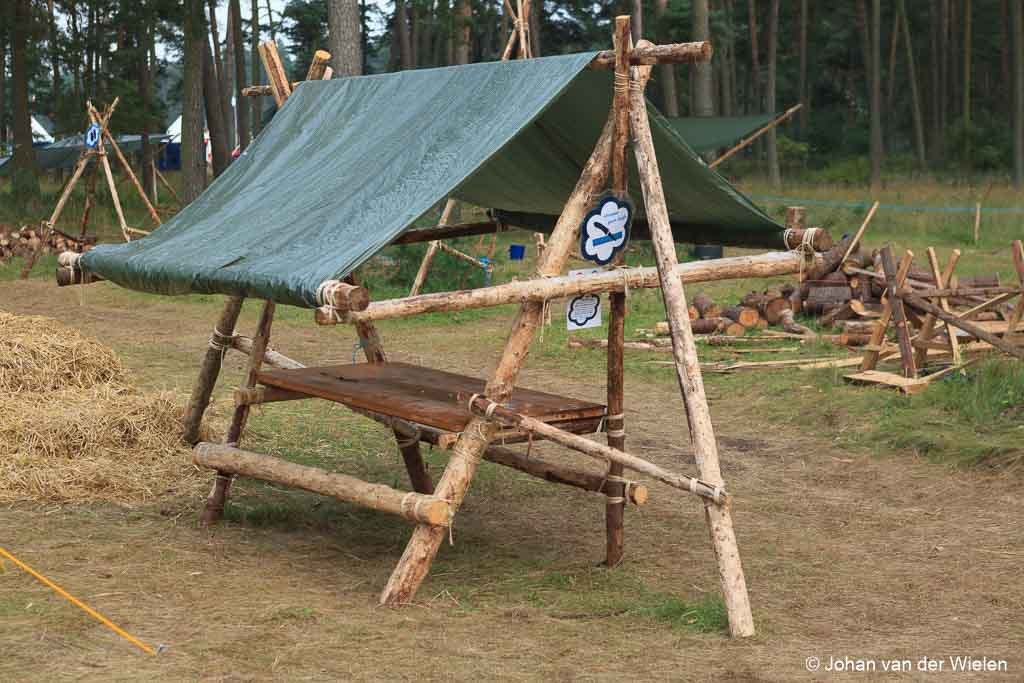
x,y
90,611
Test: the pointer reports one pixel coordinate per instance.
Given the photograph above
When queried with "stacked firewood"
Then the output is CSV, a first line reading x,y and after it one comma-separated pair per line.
x,y
27,240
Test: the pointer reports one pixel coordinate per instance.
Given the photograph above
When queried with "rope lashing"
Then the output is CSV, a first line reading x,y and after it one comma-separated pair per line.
x,y
325,299
410,505
622,82
411,440
617,418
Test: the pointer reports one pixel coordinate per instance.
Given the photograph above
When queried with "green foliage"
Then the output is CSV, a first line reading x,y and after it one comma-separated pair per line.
x,y
305,24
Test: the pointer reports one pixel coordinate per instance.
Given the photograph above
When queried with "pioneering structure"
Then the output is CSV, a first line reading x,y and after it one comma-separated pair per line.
x,y
348,165
95,153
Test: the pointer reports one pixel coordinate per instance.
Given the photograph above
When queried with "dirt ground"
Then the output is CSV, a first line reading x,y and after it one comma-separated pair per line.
x,y
867,555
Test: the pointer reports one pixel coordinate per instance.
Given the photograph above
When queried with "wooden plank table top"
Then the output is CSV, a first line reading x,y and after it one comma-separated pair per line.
x,y
425,396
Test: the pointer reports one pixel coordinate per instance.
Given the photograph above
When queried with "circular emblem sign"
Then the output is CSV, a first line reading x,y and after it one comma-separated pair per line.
x,y
92,136
605,229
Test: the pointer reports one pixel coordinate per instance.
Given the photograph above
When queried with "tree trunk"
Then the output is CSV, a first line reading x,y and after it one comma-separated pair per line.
x,y
637,20
254,57
54,58
771,139
755,60
1016,12
463,19
703,104
223,83
214,114
536,7
667,72
912,76
401,36
935,73
967,83
193,151
4,32
238,40
145,35
24,182
804,100
345,37
876,95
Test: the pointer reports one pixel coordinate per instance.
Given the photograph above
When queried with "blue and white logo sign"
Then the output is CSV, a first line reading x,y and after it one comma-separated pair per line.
x,y
605,229
92,136
583,311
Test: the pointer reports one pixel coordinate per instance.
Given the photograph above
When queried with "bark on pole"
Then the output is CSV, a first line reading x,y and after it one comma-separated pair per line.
x,y
734,588
426,540
238,41
210,369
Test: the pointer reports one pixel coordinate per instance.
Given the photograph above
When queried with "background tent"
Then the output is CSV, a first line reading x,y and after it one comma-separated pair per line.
x,y
348,165
64,154
40,136
708,133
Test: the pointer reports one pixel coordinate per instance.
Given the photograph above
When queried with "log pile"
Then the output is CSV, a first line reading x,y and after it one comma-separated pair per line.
x,y
27,240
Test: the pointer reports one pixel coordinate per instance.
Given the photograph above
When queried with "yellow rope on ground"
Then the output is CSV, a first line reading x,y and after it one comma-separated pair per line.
x,y
90,611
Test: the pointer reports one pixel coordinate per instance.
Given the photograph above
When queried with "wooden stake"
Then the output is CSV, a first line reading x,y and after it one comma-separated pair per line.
x,y
702,435
968,327
209,370
620,103
279,83
928,326
318,67
222,483
426,540
977,222
615,507
1018,309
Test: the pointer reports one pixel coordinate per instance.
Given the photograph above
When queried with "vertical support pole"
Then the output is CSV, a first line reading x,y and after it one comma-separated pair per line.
x,y
90,199
222,482
408,446
684,350
30,259
615,506
899,314
105,163
412,568
210,369
276,74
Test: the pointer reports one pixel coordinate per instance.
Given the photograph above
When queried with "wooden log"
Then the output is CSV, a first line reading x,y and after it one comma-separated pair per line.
x,y
743,315
475,437
444,232
318,67
342,296
620,107
270,356
74,276
415,507
899,315
871,356
673,53
711,325
127,168
858,326
715,495
217,498
615,422
796,219
432,249
223,332
854,339
280,86
827,262
961,292
462,256
733,583
771,309
561,473
1018,310
251,396
649,345
818,239
706,307
970,328
556,287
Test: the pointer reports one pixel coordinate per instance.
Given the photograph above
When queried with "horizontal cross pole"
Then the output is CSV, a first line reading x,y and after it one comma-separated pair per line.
x,y
445,232
736,267
485,407
961,291
926,306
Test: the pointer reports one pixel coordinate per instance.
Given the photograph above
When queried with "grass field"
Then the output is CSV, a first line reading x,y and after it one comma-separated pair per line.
x,y
870,524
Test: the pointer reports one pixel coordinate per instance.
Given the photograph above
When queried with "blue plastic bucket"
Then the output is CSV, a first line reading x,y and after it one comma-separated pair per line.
x,y
516,252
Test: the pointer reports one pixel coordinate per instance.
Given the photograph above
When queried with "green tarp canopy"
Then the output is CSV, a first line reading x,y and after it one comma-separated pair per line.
x,y
708,133
347,165
64,153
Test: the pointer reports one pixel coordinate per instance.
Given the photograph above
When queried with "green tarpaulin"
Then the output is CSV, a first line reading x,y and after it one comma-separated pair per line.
x,y
706,134
64,153
347,165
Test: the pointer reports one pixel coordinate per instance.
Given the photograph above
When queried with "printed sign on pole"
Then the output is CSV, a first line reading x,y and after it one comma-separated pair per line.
x,y
605,229
584,311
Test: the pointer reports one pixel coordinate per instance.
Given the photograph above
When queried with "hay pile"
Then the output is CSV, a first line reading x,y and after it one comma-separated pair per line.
x,y
72,429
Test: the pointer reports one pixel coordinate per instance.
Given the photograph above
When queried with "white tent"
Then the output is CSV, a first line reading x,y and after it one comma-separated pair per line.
x,y
39,134
174,131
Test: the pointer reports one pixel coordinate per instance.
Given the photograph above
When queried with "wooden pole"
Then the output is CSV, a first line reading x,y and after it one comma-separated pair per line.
x,y
855,242
943,280
746,142
615,506
716,494
223,333
977,222
426,540
167,185
928,326
1018,309
539,290
280,86
899,314
428,258
94,115
970,328
222,483
871,356
318,67
415,507
730,570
